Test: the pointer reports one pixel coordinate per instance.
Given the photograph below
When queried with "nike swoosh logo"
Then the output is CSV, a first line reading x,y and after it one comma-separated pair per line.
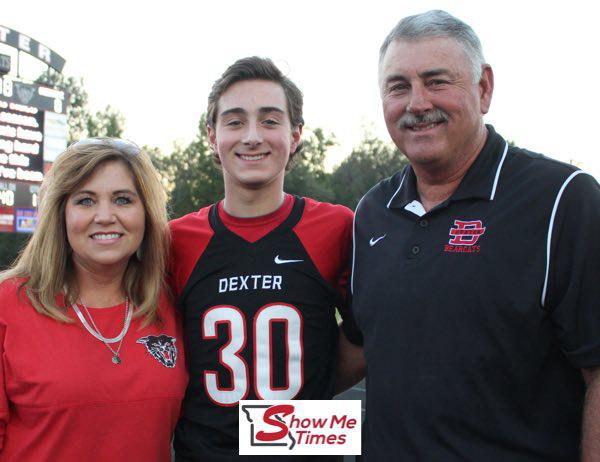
x,y
373,241
280,261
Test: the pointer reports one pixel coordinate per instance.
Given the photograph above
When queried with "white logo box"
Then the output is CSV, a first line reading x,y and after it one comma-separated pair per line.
x,y
300,427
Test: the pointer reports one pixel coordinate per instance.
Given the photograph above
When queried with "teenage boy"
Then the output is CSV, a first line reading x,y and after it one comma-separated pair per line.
x,y
259,274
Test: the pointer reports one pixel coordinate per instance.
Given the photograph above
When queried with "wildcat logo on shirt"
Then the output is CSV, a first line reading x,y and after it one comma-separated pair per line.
x,y
464,237
162,348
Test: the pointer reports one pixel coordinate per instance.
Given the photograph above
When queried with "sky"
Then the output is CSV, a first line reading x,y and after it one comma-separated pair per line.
x,y
156,62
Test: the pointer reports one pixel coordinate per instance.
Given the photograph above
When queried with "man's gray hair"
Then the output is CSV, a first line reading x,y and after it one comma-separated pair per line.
x,y
438,23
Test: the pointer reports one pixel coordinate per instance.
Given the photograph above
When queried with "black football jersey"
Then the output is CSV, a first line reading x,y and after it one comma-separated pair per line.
x,y
260,323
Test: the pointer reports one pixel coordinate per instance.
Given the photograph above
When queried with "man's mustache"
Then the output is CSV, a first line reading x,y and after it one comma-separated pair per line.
x,y
409,120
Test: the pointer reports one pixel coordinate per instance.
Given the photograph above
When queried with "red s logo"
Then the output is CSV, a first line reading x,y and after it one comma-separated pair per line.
x,y
270,418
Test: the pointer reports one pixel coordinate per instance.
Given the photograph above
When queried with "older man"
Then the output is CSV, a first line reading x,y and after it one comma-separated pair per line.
x,y
476,278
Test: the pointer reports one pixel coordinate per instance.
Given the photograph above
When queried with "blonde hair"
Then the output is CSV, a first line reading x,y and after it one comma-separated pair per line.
x,y
46,260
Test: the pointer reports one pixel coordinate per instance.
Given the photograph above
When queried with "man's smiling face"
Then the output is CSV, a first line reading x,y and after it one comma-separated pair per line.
x,y
432,107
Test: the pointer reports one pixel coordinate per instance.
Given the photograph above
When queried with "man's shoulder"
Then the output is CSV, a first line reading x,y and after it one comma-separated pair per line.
x,y
537,172
538,165
382,192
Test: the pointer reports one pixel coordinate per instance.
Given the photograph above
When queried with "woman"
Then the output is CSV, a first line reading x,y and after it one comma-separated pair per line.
x,y
92,357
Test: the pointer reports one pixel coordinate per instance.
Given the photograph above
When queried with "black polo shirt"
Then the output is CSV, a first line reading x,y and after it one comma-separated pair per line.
x,y
478,315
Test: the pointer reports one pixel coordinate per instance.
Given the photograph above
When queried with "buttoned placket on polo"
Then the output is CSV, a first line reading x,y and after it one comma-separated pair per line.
x,y
479,183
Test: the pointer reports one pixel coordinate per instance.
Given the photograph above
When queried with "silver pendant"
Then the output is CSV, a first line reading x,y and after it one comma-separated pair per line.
x,y
116,359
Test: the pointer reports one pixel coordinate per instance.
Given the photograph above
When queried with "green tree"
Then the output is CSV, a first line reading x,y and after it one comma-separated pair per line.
x,y
308,176
370,161
191,178
10,246
109,122
82,122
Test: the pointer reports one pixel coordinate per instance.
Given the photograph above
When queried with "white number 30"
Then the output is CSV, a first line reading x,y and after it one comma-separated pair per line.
x,y
229,354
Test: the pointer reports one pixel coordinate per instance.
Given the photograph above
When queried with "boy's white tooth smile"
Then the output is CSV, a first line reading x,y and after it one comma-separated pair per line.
x,y
251,156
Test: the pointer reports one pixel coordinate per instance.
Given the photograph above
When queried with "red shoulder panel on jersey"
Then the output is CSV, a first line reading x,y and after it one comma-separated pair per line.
x,y
327,226
190,235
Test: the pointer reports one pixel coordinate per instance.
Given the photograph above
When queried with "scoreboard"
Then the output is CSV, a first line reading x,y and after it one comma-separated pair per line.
x,y
33,130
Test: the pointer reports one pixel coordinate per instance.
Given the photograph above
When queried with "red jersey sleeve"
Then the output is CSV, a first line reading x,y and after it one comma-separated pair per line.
x,y
326,233
325,230
190,235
